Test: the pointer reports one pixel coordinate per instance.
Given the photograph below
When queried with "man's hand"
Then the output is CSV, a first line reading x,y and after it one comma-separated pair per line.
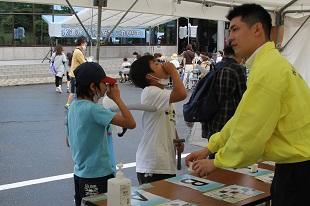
x,y
203,168
113,92
198,155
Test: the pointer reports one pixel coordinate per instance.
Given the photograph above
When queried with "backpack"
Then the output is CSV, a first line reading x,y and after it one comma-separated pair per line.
x,y
52,68
202,104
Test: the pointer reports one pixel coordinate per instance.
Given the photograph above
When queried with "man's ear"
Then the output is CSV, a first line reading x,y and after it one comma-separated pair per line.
x,y
258,29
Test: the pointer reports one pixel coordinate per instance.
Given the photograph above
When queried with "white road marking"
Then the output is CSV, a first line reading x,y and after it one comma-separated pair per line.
x,y
53,178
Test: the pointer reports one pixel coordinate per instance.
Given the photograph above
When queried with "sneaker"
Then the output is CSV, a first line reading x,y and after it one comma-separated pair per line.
x,y
59,89
68,90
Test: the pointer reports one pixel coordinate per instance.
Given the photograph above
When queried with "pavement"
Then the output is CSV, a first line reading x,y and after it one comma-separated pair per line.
x,y
28,72
32,145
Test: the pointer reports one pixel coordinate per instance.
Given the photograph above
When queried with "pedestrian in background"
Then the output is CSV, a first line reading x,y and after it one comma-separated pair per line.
x,y
59,60
78,58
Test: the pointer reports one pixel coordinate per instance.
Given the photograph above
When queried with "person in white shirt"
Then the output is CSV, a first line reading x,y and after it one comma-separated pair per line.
x,y
219,56
175,61
155,157
59,60
125,67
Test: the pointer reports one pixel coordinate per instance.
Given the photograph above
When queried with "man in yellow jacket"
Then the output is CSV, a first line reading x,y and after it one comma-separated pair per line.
x,y
272,121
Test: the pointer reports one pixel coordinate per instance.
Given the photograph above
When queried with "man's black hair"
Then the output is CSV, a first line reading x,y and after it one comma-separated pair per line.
x,y
125,59
139,69
251,14
80,40
228,51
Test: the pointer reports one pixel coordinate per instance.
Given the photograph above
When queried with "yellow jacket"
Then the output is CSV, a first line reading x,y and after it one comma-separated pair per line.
x,y
272,121
77,59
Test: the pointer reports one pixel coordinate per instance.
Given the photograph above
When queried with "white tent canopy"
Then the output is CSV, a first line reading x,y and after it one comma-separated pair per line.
x,y
133,22
298,50
111,17
187,8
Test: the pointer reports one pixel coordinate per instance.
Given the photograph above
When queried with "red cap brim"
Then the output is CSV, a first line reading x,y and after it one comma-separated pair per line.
x,y
108,80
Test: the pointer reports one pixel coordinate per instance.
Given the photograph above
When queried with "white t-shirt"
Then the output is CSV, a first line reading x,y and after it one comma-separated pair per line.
x,y
218,59
175,62
156,152
125,67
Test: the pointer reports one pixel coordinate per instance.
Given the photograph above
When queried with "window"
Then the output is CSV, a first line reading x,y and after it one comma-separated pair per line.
x,y
22,8
164,34
6,26
22,24
46,9
6,7
23,30
41,31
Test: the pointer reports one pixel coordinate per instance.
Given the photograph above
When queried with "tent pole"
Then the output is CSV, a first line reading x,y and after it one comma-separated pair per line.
x,y
177,35
282,48
98,30
295,11
279,21
213,3
77,17
150,36
119,21
188,30
91,32
287,5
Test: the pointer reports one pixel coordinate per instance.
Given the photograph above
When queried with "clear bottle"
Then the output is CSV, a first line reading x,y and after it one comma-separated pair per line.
x,y
119,189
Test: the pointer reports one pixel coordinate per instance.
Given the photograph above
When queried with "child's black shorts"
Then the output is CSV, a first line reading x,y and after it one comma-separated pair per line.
x,y
89,186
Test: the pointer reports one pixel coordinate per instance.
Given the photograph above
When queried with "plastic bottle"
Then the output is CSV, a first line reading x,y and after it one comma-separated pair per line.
x,y
119,189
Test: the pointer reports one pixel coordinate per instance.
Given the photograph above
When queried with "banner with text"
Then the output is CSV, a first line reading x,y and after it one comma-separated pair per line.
x,y
76,31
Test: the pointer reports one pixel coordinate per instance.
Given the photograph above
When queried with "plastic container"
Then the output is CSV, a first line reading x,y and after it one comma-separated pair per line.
x,y
119,189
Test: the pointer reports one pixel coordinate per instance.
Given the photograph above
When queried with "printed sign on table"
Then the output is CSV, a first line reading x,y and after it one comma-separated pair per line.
x,y
266,178
247,171
233,193
195,183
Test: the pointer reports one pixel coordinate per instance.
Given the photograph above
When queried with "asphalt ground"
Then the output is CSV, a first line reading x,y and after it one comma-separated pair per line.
x,y
32,145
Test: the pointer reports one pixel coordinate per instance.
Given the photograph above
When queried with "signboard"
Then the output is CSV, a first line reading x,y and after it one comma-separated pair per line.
x,y
76,31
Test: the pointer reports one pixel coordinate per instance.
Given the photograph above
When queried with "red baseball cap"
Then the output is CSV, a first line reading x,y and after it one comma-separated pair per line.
x,y
108,80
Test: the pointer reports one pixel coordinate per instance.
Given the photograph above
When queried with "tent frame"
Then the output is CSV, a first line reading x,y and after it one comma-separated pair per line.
x,y
279,14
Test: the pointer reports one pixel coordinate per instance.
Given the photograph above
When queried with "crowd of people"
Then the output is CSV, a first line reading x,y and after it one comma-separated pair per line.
x,y
261,116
